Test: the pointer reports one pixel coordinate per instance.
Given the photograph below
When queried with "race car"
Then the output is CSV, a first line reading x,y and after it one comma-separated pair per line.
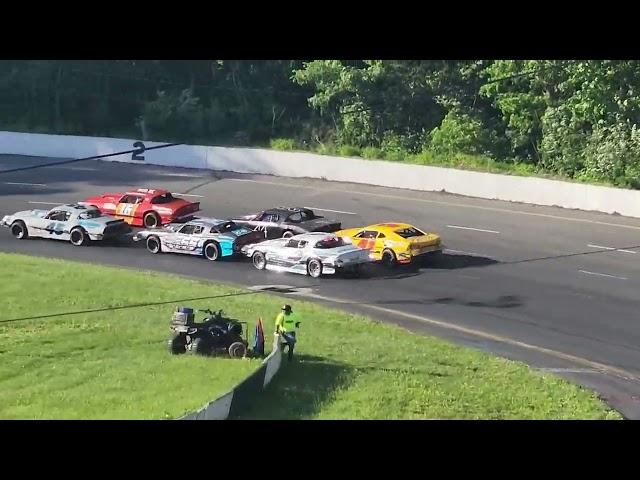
x,y
76,223
286,222
148,207
311,254
208,237
393,243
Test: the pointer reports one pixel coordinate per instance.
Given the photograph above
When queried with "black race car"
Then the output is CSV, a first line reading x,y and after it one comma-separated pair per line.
x,y
287,222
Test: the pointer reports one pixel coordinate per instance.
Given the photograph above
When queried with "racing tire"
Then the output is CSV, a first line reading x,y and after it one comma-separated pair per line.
x,y
237,350
314,268
78,237
389,259
151,220
211,251
153,244
201,346
177,344
259,260
287,234
19,230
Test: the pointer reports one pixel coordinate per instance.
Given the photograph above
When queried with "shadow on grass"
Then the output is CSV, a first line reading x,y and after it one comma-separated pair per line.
x,y
299,389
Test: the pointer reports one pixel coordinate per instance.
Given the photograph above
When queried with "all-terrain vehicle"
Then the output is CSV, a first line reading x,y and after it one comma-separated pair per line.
x,y
215,335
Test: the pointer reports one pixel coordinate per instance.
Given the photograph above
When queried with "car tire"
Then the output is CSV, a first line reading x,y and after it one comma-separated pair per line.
x,y
19,230
314,268
389,259
151,220
177,344
259,260
237,350
153,244
201,346
211,251
78,237
287,234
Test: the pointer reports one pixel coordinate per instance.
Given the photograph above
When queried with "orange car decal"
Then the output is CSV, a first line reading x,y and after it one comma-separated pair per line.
x,y
126,211
366,243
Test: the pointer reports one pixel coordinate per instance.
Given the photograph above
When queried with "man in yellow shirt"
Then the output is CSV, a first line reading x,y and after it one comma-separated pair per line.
x,y
286,326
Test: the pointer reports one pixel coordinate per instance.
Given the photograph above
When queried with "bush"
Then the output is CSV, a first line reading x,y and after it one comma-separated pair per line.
x,y
460,132
372,153
283,143
393,147
348,151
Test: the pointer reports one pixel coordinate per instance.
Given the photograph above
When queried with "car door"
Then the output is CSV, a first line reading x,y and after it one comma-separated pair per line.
x,y
127,206
287,255
366,239
268,223
55,224
184,240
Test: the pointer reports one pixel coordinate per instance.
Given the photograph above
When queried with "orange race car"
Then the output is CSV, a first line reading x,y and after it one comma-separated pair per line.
x,y
393,243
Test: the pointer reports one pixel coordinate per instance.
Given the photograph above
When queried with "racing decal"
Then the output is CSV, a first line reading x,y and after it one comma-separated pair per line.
x,y
366,243
126,211
109,206
55,227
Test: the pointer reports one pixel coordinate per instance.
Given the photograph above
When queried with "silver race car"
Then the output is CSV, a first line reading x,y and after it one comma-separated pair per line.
x,y
76,223
311,254
209,237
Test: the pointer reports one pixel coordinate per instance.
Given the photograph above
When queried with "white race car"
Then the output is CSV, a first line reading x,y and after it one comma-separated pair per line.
x,y
311,254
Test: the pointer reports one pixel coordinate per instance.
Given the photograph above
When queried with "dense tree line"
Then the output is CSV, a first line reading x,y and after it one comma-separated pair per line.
x,y
572,118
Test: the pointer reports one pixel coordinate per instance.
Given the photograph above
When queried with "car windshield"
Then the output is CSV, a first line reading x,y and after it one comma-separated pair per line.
x,y
164,198
90,214
332,242
410,232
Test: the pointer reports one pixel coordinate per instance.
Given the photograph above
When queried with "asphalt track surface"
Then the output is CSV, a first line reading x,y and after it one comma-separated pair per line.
x,y
555,288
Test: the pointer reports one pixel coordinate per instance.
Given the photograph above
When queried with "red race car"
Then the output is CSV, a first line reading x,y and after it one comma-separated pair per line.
x,y
145,207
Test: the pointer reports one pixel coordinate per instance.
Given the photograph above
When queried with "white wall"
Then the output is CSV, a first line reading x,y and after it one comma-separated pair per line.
x,y
531,190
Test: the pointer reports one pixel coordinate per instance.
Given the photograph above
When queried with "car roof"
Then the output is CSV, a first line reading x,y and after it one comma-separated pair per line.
x,y
314,236
287,210
147,192
73,207
390,226
208,221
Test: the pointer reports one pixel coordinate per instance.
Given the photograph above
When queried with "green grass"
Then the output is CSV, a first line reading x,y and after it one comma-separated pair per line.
x,y
115,365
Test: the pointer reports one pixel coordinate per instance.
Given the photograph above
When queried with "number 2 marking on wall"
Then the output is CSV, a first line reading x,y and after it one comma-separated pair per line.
x,y
140,148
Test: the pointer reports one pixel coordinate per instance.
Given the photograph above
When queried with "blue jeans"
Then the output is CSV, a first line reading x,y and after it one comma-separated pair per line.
x,y
290,341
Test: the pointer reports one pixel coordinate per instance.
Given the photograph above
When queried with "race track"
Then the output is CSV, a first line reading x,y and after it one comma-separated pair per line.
x,y
551,287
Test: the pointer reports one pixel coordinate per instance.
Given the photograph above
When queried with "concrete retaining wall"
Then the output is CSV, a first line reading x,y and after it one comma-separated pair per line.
x,y
530,190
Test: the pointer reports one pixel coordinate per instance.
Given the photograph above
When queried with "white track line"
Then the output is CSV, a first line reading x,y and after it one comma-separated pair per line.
x,y
470,228
602,274
451,204
610,248
328,210
26,184
187,195
188,175
46,203
463,252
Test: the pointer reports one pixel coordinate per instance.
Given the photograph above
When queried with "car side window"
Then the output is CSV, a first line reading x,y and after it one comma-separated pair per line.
x,y
188,229
367,234
134,199
302,244
58,216
382,235
295,218
292,244
198,230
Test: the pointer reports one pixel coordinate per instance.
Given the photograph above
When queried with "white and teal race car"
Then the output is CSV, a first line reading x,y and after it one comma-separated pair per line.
x,y
210,238
77,224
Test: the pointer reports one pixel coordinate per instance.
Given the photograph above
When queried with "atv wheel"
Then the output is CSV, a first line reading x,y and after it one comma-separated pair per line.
x,y
237,350
314,268
259,260
201,346
211,251
153,244
78,237
287,234
19,230
177,344
151,220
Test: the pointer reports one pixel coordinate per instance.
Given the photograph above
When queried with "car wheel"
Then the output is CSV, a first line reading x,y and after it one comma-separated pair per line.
x,y
78,237
154,245
211,251
19,230
177,344
287,234
151,220
259,260
201,346
389,258
237,350
314,268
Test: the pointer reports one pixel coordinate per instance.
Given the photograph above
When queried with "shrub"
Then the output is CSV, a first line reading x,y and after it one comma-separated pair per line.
x,y
283,143
348,151
459,132
372,153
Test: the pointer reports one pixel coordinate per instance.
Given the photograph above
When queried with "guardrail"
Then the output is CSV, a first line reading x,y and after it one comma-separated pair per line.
x,y
243,394
531,190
